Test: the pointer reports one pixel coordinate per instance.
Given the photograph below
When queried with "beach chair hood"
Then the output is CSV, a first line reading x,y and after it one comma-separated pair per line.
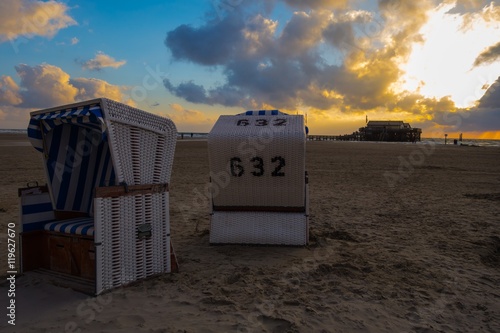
x,y
88,145
86,116
77,157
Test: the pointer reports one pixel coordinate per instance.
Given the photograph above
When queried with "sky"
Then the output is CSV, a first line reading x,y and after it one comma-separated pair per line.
x,y
434,64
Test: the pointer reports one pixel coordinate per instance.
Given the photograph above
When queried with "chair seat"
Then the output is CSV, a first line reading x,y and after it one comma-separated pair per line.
x,y
78,226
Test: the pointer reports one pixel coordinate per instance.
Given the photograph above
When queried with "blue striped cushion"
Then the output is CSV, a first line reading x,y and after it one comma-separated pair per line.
x,y
79,226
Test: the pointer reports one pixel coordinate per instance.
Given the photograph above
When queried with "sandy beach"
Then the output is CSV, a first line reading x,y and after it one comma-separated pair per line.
x,y
403,238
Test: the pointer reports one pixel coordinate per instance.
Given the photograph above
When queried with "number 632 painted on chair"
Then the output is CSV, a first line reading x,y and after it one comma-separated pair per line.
x,y
237,169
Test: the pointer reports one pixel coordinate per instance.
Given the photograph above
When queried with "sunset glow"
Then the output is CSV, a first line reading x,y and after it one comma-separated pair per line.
x,y
434,64
442,65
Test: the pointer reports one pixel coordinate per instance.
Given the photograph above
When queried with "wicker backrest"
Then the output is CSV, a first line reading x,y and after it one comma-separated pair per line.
x,y
262,156
142,144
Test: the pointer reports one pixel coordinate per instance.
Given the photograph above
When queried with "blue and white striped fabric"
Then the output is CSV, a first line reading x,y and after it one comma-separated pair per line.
x,y
36,209
76,162
76,154
78,226
262,113
85,116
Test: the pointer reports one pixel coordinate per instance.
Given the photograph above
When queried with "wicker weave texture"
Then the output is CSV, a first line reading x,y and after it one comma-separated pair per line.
x,y
263,158
142,144
122,256
259,228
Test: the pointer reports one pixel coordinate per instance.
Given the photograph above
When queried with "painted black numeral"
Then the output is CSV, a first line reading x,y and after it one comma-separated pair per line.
x,y
236,169
279,122
259,165
281,164
242,122
261,122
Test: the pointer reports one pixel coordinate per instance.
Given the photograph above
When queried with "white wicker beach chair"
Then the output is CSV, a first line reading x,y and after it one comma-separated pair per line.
x,y
104,214
259,181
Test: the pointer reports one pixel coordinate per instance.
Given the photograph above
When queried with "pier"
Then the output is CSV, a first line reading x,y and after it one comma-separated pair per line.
x,y
389,130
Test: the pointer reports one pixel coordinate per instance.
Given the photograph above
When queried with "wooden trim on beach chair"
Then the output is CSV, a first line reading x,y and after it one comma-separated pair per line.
x,y
124,190
259,209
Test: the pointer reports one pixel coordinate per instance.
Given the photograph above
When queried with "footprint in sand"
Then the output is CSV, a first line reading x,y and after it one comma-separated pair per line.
x,y
276,325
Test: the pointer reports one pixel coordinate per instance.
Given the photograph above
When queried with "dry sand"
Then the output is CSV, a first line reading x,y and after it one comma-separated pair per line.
x,y
417,251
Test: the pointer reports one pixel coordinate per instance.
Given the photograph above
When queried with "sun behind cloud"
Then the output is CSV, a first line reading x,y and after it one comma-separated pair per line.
x,y
444,63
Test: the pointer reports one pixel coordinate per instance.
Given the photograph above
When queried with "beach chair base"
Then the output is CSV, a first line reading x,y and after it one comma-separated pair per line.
x,y
59,253
266,228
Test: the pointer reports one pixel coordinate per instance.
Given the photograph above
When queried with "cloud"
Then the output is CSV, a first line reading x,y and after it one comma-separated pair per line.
x,y
316,4
491,98
287,70
211,44
189,91
488,56
302,32
46,85
491,12
30,18
94,88
487,11
101,61
484,117
9,91
466,6
327,58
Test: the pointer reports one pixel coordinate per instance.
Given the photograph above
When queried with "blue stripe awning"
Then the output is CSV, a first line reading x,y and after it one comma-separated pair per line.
x,y
262,113
85,116
77,155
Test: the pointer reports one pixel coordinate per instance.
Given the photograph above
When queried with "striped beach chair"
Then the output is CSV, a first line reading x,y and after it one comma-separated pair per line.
x,y
258,179
104,213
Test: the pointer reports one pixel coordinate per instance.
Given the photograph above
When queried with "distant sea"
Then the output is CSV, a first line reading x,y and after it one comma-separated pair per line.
x,y
12,131
471,142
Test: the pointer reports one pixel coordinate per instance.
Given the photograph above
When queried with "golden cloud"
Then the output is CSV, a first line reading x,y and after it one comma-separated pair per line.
x,y
9,91
47,85
32,18
102,60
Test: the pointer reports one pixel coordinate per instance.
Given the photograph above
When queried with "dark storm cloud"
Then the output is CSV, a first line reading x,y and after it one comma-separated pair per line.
x,y
484,117
491,98
475,119
481,119
190,91
211,44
